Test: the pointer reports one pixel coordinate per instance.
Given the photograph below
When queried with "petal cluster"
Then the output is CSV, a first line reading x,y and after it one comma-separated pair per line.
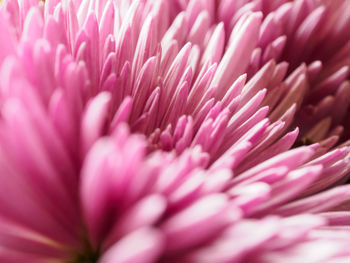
x,y
174,131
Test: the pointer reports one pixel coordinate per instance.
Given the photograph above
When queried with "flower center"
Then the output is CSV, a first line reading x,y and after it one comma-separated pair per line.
x,y
87,255
90,257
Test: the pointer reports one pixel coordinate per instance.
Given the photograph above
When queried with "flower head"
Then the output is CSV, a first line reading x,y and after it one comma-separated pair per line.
x,y
174,131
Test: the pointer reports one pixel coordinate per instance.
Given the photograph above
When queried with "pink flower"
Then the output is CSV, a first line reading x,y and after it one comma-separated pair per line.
x,y
174,131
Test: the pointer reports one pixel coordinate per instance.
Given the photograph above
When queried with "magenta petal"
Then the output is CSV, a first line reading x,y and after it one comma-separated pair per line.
x,y
245,236
144,245
143,214
337,218
290,159
7,40
94,120
283,191
195,224
318,203
236,57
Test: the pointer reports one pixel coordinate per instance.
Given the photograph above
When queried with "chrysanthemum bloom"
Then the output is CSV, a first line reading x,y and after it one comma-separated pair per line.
x,y
174,131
